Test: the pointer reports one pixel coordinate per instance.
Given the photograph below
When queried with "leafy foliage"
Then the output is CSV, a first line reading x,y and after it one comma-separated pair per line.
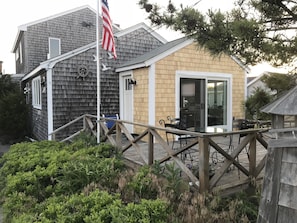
x,y
13,110
58,182
255,102
279,82
254,30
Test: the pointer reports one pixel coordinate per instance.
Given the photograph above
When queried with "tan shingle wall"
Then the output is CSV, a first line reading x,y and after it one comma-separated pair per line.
x,y
191,59
141,97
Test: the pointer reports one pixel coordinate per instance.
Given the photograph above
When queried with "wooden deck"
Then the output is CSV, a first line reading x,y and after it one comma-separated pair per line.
x,y
209,162
232,180
217,162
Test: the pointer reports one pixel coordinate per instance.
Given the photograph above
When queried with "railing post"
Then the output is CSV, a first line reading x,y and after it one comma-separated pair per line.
x,y
203,164
252,155
151,149
118,135
84,122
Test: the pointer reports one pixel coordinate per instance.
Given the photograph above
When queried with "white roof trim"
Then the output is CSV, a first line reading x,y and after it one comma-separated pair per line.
x,y
239,62
158,57
144,26
48,64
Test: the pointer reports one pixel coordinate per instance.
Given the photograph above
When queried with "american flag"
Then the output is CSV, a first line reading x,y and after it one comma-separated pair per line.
x,y
107,35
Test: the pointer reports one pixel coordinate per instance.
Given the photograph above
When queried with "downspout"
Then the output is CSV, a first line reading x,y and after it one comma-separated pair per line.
x,y
49,87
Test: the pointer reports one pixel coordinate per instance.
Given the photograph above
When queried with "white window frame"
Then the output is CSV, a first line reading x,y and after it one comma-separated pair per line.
x,y
50,39
206,76
21,53
36,93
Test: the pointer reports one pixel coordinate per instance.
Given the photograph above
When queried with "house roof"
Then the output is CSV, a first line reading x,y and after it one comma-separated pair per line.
x,y
139,26
151,57
23,28
161,52
53,61
284,105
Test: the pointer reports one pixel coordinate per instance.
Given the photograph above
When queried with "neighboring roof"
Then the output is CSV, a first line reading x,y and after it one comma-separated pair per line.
x,y
161,52
284,105
145,27
249,79
258,78
253,80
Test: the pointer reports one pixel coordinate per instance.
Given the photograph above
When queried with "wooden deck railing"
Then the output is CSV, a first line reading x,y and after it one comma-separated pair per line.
x,y
205,143
87,124
150,146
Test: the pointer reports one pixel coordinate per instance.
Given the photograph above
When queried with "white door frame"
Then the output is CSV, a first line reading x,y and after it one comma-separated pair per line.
x,y
122,76
207,76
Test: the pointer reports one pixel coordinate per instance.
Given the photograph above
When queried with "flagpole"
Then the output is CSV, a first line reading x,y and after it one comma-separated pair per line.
x,y
98,74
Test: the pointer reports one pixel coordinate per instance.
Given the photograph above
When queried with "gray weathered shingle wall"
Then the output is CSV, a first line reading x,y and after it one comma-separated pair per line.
x,y
68,28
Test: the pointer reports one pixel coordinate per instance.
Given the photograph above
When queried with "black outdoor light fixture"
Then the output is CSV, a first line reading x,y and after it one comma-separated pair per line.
x,y
132,81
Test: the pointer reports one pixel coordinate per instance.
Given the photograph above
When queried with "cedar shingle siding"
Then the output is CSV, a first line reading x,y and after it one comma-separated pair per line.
x,y
68,28
74,95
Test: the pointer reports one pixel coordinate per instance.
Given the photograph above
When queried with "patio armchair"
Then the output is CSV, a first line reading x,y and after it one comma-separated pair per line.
x,y
110,123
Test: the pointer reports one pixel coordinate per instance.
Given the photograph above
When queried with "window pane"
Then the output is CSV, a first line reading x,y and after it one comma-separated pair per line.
x,y
54,47
217,102
36,92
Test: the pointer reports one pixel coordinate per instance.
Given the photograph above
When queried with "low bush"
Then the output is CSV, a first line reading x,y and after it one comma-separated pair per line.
x,y
81,182
13,111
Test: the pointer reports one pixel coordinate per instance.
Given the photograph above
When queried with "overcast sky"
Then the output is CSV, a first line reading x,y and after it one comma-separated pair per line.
x,y
125,13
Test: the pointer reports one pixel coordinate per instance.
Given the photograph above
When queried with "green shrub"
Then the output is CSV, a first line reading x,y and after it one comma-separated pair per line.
x,y
98,206
44,169
58,182
13,110
143,185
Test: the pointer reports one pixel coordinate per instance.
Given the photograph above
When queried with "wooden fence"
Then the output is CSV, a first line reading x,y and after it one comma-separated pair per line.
x,y
150,143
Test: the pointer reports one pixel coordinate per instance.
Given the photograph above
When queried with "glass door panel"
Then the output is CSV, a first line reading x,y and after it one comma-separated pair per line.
x,y
216,102
192,104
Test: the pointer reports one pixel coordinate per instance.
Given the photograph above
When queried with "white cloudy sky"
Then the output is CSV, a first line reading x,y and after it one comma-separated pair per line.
x,y
14,13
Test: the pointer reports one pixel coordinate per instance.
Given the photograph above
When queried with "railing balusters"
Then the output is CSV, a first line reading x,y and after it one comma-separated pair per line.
x,y
118,136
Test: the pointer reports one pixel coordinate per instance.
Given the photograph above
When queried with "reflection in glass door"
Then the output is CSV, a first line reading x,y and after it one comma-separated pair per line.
x,y
192,104
216,102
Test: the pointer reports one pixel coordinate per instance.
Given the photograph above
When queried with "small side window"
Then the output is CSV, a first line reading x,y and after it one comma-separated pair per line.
x,y
54,47
36,92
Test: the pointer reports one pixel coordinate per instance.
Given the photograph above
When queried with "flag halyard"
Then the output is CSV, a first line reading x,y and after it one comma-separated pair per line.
x,y
108,42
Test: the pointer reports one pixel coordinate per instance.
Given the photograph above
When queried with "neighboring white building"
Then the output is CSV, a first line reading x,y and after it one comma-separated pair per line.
x,y
255,82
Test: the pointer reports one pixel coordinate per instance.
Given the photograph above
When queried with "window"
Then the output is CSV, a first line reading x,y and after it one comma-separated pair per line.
x,y
19,54
217,102
205,100
54,47
36,92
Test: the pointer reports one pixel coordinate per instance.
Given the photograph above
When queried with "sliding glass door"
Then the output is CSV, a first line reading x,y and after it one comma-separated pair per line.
x,y
203,103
